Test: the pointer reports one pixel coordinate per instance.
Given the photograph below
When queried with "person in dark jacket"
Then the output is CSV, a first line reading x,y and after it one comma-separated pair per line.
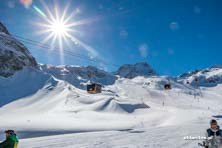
x,y
11,140
213,135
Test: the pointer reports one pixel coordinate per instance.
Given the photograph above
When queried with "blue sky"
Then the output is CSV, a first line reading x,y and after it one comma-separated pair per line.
x,y
172,36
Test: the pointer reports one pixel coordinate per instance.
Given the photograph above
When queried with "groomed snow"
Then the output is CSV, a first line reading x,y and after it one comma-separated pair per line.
x,y
129,113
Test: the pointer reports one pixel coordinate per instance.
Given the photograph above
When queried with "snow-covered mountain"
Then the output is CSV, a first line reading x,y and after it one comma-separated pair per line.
x,y
206,78
79,76
132,70
13,54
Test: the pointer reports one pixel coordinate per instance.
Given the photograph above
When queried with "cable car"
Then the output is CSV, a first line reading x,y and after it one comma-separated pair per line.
x,y
94,88
167,87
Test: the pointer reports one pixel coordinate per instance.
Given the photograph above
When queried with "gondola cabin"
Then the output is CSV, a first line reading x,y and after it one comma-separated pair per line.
x,y
167,87
94,88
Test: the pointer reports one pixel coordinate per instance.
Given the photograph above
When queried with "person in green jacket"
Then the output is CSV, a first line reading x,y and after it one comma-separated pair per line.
x,y
11,140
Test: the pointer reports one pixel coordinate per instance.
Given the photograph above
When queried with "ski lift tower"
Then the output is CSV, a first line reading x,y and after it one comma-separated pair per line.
x,y
196,87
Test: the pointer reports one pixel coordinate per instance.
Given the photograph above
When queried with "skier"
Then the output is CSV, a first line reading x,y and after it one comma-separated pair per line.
x,y
11,140
213,136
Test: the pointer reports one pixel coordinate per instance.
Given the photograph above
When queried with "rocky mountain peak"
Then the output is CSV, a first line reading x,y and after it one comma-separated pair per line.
x,y
13,54
133,70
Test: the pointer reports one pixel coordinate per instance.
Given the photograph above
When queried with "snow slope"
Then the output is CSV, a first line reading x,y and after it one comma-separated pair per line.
x,y
156,127
164,137
49,100
24,83
128,113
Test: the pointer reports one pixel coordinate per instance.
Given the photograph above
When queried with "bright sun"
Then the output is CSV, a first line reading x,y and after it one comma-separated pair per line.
x,y
59,28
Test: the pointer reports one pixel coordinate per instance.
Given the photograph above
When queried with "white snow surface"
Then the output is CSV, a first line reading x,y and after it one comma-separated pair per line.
x,y
47,112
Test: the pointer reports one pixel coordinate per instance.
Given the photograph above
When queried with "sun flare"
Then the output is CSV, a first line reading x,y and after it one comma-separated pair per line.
x,y
58,28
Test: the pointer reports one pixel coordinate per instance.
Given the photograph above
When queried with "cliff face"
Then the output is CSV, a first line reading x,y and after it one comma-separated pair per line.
x,y
13,54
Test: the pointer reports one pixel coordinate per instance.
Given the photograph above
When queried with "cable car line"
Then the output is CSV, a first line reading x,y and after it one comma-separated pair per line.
x,y
55,49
